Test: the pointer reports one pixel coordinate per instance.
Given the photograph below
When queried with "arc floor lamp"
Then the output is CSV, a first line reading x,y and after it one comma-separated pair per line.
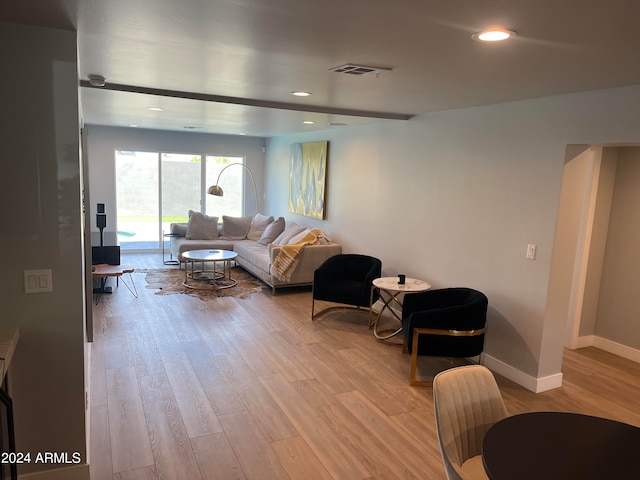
x,y
217,189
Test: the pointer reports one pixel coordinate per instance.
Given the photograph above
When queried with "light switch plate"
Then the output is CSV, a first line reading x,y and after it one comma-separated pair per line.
x,y
38,281
531,251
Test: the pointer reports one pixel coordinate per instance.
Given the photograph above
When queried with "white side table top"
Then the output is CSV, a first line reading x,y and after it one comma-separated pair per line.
x,y
208,255
390,284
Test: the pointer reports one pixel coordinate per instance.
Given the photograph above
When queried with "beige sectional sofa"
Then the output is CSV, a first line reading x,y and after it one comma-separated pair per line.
x,y
259,242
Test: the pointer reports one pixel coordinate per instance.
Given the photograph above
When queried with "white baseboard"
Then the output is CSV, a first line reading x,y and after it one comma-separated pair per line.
x,y
543,384
582,342
617,349
536,385
549,382
608,346
75,472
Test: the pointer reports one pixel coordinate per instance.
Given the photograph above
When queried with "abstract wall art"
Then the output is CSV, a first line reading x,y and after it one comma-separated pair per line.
x,y
307,179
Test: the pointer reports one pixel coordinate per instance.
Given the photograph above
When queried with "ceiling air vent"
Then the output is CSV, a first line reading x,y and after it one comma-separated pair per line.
x,y
360,70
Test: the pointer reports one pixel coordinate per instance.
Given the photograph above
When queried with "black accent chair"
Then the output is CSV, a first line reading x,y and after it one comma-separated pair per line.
x,y
347,279
448,322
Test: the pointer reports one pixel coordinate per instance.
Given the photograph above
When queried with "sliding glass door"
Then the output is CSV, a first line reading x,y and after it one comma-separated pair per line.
x,y
155,189
181,188
231,181
137,191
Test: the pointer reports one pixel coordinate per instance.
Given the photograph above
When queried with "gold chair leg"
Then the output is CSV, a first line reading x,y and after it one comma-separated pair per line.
x,y
414,359
430,331
370,305
332,308
414,364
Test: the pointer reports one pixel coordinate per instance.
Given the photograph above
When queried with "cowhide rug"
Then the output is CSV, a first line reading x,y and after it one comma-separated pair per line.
x,y
168,281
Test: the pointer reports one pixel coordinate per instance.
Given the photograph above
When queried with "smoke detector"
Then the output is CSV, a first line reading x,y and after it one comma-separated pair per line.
x,y
360,70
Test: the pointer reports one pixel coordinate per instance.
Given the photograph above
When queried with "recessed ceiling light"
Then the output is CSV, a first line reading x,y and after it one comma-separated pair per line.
x,y
301,94
156,109
241,133
494,35
133,125
309,122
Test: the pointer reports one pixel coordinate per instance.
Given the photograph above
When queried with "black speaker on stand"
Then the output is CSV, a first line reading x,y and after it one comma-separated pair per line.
x,y
101,222
104,254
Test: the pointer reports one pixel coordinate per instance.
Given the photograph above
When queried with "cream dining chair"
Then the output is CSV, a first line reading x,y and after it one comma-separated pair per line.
x,y
467,403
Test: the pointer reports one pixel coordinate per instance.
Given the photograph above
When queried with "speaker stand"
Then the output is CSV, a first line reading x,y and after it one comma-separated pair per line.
x,y
102,288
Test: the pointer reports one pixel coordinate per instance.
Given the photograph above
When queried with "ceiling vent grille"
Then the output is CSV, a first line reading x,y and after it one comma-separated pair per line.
x,y
360,70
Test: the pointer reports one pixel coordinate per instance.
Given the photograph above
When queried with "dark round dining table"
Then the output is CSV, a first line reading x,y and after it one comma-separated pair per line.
x,y
561,446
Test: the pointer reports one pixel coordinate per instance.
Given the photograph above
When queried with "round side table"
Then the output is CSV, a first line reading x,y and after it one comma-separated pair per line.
x,y
390,290
171,260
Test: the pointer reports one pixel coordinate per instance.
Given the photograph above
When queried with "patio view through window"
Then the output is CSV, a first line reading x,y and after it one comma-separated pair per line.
x,y
155,189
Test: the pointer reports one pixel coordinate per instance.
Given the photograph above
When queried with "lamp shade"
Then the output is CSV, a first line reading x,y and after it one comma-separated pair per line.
x,y
216,190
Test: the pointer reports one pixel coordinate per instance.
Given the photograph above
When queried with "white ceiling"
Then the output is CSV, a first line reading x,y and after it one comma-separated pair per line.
x,y
234,54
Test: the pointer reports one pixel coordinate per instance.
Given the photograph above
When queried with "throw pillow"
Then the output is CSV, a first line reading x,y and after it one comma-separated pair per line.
x,y
235,228
299,236
201,226
258,225
179,229
272,231
291,231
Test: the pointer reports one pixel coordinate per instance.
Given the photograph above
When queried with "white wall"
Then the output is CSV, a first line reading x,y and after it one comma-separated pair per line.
x,y
568,263
605,184
40,205
592,274
618,308
455,197
103,141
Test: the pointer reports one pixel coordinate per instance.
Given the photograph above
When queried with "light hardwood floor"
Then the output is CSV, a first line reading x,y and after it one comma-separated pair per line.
x,y
234,389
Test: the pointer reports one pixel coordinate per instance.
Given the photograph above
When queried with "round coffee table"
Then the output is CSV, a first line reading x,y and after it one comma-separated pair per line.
x,y
216,277
390,289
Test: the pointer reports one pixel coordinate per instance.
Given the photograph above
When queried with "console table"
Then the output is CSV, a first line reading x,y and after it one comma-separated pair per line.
x,y
104,271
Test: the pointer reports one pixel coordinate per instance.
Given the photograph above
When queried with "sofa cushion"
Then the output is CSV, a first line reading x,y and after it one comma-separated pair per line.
x,y
291,231
258,225
272,231
179,245
321,237
254,253
235,228
179,229
299,236
201,226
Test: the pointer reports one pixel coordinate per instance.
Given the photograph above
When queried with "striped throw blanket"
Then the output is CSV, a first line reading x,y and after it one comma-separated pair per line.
x,y
286,261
